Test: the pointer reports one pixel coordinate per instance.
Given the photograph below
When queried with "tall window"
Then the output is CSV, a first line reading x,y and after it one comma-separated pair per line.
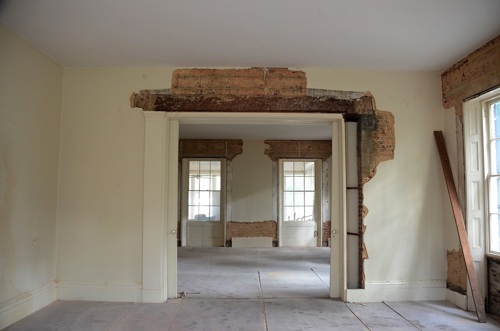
x,y
493,171
299,191
204,191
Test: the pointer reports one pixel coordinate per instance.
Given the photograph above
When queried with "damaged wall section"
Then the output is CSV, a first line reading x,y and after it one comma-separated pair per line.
x,y
278,90
474,75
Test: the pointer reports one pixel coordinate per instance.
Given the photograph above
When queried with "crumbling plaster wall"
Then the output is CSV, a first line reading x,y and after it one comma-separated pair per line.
x,y
477,73
275,90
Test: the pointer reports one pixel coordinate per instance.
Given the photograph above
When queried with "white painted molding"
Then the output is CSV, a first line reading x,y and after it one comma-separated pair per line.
x,y
456,299
398,291
26,303
153,224
102,291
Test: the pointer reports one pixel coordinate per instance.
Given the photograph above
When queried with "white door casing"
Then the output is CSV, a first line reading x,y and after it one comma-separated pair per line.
x,y
162,135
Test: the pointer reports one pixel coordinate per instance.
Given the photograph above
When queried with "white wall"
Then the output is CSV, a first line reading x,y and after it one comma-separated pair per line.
x,y
252,184
30,98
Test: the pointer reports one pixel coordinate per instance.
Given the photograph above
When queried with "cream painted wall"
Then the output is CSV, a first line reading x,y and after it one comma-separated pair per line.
x,y
252,196
405,228
30,98
101,177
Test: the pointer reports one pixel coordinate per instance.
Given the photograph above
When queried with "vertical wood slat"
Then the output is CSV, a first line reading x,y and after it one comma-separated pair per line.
x,y
460,223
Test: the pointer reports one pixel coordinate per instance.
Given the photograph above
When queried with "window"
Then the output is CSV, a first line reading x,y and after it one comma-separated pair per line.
x,y
204,191
492,110
299,191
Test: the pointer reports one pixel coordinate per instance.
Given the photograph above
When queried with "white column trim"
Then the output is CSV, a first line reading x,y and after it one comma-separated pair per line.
x,y
338,284
172,192
153,208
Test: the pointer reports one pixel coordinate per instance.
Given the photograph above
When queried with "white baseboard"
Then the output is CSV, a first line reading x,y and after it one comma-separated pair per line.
x,y
101,291
456,299
26,303
398,291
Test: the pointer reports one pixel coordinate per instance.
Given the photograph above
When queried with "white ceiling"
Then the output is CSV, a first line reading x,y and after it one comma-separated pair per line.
x,y
427,35
423,35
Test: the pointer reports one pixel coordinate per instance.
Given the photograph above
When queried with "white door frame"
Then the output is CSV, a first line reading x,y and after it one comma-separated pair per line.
x,y
160,215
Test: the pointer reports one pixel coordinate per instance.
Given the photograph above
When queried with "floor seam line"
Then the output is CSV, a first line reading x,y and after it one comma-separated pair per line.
x,y
359,319
327,285
176,314
263,303
385,303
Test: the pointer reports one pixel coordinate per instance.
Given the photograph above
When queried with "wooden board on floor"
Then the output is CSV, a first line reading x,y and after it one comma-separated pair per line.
x,y
460,223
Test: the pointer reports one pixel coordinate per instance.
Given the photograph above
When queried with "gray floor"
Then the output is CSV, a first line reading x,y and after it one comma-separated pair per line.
x,y
253,289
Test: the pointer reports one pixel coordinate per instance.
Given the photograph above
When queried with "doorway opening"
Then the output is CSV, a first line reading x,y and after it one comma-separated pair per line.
x,y
335,123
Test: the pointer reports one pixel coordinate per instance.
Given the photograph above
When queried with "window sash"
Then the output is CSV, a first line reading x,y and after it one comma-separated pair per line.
x,y
300,190
204,190
491,109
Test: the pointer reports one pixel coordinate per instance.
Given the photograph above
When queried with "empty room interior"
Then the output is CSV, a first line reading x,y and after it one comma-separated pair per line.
x,y
261,165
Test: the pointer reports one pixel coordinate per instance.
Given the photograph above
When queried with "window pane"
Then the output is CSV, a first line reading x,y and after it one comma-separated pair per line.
x,y
299,168
215,213
194,167
204,212
288,213
215,167
309,183
494,202
215,198
288,183
309,169
309,199
288,201
299,214
205,182
216,182
204,198
298,183
192,212
495,232
495,120
495,157
299,178
194,198
194,182
309,211
288,168
298,199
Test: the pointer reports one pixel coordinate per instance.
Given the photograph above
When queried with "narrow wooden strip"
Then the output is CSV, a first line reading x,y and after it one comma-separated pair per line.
x,y
459,221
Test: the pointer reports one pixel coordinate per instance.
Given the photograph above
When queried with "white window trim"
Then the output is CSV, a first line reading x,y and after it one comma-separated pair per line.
x,y
485,103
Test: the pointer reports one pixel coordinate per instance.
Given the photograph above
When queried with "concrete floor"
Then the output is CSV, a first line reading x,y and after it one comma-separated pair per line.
x,y
252,289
